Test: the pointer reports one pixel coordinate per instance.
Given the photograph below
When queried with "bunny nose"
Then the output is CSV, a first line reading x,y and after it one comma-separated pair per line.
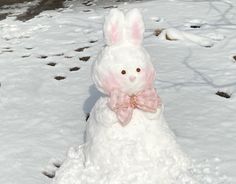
x,y
132,78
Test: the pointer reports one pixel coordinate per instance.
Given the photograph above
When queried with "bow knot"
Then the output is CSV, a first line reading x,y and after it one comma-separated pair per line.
x,y
133,101
123,104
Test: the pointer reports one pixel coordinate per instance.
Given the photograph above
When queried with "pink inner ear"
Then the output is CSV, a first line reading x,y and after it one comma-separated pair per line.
x,y
114,34
136,32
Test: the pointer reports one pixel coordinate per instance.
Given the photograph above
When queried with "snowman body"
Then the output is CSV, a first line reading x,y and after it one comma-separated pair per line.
x,y
146,147
143,150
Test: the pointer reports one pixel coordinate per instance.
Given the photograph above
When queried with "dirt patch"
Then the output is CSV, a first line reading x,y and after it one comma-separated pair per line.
x,y
3,16
157,32
11,2
40,7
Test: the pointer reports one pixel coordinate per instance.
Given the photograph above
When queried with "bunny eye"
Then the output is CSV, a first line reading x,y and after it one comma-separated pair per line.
x,y
138,70
123,72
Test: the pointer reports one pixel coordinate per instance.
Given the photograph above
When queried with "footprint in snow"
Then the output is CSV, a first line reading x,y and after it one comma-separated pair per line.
x,y
25,56
87,116
42,57
223,94
68,57
88,3
52,64
51,168
59,54
195,23
74,69
109,7
7,49
195,26
86,11
85,58
92,41
49,173
59,77
82,49
29,48
234,58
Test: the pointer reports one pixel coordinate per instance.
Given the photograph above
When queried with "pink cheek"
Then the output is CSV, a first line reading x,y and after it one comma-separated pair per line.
x,y
149,76
110,83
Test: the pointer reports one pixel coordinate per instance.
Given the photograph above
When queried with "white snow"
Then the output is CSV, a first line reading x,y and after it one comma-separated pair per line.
x,y
42,117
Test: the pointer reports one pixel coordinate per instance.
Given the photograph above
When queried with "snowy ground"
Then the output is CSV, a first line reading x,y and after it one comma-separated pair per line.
x,y
41,117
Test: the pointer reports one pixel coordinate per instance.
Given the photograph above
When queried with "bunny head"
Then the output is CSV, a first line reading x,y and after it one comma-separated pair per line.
x,y
123,64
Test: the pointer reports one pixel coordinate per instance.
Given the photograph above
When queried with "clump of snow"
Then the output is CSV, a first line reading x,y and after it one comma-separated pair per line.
x,y
174,34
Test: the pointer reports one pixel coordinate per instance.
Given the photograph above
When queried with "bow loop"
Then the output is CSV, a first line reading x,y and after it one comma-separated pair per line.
x,y
148,100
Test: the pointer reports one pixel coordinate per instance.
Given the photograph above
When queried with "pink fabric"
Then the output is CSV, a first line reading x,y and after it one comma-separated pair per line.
x,y
114,34
123,104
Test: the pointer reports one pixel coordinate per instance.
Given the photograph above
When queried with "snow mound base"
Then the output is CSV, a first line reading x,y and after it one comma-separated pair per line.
x,y
73,171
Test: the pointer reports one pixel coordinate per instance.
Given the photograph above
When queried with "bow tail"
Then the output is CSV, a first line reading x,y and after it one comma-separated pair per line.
x,y
124,115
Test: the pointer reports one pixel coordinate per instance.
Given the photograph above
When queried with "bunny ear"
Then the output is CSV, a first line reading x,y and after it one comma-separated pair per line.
x,y
113,27
134,26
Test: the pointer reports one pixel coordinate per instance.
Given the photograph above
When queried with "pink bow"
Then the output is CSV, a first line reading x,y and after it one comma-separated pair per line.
x,y
123,104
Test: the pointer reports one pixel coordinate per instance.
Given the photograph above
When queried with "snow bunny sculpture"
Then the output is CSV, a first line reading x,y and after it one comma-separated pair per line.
x,y
127,138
